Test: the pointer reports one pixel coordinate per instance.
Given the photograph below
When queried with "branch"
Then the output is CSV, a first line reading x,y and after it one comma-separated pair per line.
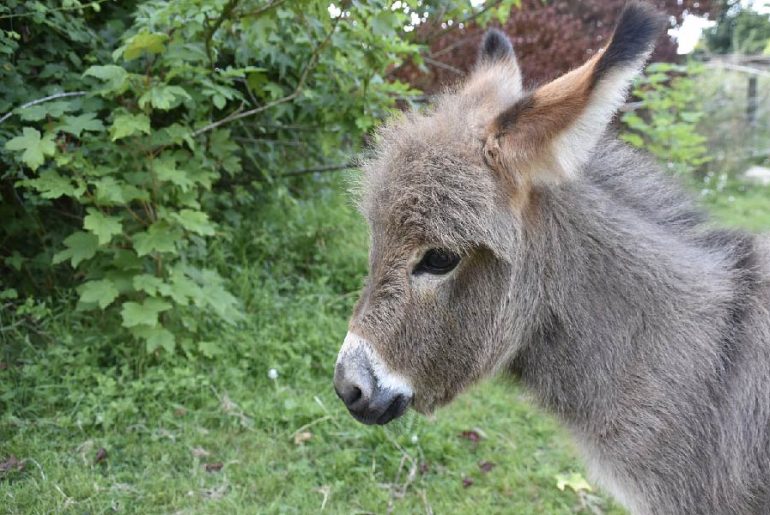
x,y
41,101
32,13
288,98
321,169
262,10
458,43
438,33
439,64
212,29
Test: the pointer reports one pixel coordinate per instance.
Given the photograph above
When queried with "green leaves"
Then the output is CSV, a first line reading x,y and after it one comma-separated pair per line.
x,y
159,237
194,221
115,78
80,246
76,125
144,313
155,338
119,175
51,185
165,168
384,23
669,129
42,111
151,43
34,148
575,482
126,124
102,292
163,97
103,226
142,320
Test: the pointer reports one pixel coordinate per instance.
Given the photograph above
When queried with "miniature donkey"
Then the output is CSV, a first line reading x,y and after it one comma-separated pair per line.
x,y
509,234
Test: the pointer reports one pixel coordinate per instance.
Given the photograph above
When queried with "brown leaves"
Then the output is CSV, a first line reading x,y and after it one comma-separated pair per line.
x,y
471,436
302,437
213,467
486,466
10,464
101,455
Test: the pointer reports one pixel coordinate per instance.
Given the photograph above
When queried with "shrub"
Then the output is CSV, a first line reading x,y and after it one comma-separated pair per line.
x,y
128,129
666,124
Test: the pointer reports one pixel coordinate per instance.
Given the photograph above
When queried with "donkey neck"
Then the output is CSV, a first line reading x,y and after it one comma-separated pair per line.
x,y
632,303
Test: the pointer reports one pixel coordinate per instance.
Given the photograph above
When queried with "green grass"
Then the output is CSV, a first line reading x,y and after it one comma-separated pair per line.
x,y
219,436
746,207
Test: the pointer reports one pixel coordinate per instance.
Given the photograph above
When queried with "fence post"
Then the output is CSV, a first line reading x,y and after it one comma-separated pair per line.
x,y
751,101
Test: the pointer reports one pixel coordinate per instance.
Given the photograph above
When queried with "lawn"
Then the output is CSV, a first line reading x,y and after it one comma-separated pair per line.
x,y
172,435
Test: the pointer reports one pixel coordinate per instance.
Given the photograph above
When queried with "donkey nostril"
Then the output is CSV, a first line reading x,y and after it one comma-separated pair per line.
x,y
350,395
355,394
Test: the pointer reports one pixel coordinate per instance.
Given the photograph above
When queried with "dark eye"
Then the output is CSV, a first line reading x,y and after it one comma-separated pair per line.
x,y
438,262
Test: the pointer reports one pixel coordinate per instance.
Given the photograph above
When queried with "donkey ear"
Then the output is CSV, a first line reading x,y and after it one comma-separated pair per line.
x,y
495,47
497,62
550,134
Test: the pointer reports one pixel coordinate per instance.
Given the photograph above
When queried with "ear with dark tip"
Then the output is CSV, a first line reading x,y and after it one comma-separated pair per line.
x,y
495,47
639,26
553,132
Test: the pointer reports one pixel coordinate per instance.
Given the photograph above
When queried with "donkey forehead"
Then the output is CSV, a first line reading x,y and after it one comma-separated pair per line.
x,y
430,193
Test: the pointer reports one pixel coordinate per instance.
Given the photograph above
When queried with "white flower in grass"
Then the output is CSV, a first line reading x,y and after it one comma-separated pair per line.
x,y
272,374
415,439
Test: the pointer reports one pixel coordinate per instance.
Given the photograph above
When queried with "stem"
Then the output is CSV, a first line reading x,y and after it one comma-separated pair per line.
x,y
212,29
41,101
330,168
288,98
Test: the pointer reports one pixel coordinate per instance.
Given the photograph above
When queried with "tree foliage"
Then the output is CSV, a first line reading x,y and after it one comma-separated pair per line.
x,y
667,126
739,30
550,37
135,133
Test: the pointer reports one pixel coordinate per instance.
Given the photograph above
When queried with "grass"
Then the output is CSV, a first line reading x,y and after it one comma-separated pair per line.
x,y
220,436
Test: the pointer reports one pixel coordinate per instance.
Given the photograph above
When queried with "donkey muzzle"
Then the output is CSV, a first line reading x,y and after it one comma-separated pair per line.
x,y
372,393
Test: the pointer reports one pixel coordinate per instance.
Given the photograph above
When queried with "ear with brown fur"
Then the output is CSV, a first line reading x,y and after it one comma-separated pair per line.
x,y
548,135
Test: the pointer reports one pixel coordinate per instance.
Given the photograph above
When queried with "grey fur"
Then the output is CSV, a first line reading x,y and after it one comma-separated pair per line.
x,y
644,329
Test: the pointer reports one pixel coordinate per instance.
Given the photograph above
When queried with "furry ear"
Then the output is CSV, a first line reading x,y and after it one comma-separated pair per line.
x,y
548,135
495,47
497,77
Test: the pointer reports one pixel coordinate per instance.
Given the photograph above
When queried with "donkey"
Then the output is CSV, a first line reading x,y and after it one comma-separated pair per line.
x,y
510,234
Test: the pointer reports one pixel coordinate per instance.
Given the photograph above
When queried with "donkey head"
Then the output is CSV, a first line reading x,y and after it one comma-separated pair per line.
x,y
448,195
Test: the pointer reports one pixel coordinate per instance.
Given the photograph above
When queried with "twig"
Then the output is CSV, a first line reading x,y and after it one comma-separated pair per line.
x,y
439,64
460,42
288,98
212,29
309,425
262,10
32,13
41,101
320,169
438,33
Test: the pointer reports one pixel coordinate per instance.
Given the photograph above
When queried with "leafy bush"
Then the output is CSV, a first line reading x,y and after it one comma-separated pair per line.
x,y
666,124
129,129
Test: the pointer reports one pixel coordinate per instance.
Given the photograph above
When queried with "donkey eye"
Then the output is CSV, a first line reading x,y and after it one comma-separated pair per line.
x,y
437,262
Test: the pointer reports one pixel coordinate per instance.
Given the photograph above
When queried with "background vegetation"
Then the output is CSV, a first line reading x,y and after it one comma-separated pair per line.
x,y
178,256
